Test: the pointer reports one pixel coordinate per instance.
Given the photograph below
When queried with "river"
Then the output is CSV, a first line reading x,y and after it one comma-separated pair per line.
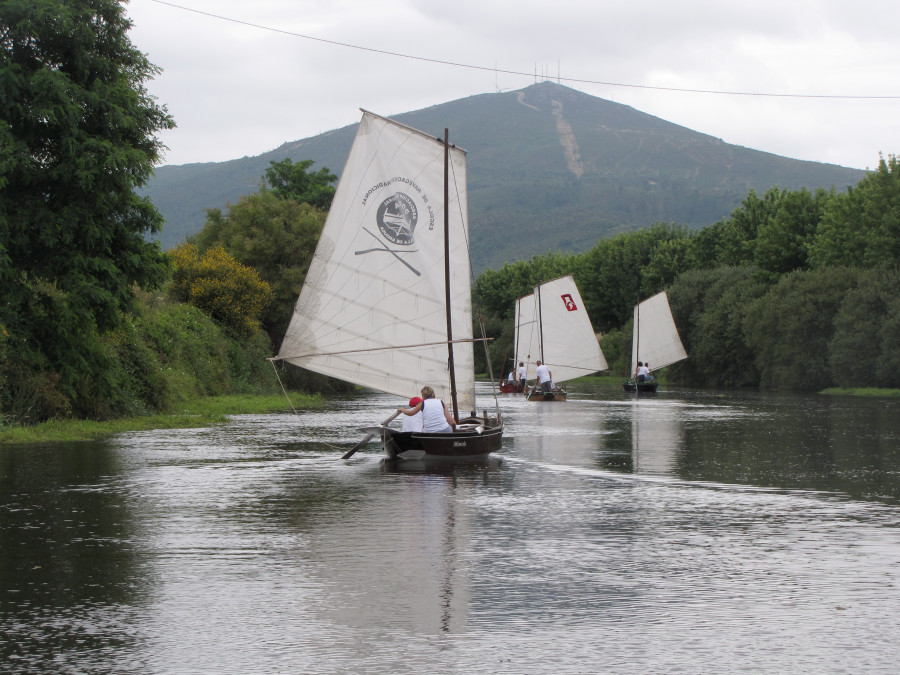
x,y
687,532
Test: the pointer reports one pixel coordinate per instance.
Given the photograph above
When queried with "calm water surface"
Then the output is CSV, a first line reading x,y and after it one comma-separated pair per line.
x,y
690,532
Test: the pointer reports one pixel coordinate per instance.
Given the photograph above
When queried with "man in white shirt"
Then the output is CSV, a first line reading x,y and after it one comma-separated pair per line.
x,y
522,373
544,377
642,372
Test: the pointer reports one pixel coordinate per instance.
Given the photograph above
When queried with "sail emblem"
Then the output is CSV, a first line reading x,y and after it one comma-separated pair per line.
x,y
397,217
569,302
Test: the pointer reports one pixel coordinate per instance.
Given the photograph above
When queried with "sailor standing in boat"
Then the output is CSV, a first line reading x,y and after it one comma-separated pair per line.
x,y
522,375
544,376
435,416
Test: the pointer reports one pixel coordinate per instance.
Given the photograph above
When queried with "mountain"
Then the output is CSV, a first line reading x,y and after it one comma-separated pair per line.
x,y
550,169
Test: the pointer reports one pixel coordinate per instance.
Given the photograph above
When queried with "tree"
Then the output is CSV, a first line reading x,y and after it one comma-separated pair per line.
x,y
783,241
77,132
732,242
291,181
276,237
709,308
861,227
864,349
790,327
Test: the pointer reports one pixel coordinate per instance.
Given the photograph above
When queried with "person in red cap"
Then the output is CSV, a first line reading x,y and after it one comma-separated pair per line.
x,y
416,421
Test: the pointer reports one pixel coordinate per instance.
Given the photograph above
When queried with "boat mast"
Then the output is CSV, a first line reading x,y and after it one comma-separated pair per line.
x,y
637,339
540,321
447,273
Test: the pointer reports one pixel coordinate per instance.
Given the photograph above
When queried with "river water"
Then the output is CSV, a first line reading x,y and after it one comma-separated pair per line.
x,y
687,532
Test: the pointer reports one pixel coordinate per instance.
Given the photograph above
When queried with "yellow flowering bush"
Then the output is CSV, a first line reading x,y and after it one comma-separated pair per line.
x,y
213,281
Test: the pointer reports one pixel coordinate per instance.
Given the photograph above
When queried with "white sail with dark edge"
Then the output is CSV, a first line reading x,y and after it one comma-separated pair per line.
x,y
569,345
372,308
526,335
655,339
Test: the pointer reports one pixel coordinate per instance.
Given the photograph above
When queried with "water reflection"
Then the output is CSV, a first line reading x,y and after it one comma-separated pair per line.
x,y
656,437
66,564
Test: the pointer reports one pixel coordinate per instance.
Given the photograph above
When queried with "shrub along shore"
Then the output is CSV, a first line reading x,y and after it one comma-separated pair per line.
x,y
209,410
197,412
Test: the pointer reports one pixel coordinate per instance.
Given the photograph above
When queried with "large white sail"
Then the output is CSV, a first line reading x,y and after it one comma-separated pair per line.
x,y
570,346
372,308
527,347
655,339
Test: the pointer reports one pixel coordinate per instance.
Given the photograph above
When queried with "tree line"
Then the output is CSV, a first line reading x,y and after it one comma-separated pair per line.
x,y
97,322
794,290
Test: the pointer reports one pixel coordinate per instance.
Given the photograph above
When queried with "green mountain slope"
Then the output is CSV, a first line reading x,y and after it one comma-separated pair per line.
x,y
550,169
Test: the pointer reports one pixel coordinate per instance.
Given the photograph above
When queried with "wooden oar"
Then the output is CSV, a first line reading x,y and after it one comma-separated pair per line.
x,y
368,438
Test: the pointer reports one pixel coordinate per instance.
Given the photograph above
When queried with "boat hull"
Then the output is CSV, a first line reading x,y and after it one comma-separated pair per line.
x,y
510,388
555,394
472,440
641,387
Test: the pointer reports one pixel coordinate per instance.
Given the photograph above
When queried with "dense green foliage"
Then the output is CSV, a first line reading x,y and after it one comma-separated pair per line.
x,y
291,181
81,333
275,234
164,354
276,237
77,130
795,290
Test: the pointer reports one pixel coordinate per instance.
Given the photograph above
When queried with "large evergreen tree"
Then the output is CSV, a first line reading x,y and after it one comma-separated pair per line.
x,y
77,135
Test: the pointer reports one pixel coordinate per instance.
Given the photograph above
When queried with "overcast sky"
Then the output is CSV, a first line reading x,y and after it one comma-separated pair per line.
x,y
269,71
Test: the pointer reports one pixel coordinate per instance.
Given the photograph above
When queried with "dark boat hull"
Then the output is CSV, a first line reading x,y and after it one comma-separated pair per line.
x,y
506,388
641,387
555,394
472,440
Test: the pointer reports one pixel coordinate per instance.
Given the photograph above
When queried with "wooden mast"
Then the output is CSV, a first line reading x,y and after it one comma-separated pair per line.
x,y
540,321
637,339
447,274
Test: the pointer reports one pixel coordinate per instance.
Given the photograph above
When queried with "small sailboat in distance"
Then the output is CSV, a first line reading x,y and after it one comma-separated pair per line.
x,y
655,340
386,303
552,326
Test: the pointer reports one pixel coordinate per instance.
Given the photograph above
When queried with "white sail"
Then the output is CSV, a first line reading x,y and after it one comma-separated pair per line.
x,y
526,338
372,308
655,339
569,344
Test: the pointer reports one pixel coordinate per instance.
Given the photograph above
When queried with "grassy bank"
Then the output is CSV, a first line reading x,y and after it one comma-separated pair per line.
x,y
199,412
863,391
605,380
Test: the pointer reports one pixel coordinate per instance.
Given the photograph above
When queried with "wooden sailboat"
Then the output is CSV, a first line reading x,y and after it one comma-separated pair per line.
x,y
386,303
512,386
552,326
655,340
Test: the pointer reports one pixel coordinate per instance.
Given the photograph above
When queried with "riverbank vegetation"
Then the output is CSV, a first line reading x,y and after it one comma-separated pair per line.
x,y
96,322
795,290
197,412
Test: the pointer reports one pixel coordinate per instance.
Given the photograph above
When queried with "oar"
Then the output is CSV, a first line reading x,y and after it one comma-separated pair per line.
x,y
368,438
